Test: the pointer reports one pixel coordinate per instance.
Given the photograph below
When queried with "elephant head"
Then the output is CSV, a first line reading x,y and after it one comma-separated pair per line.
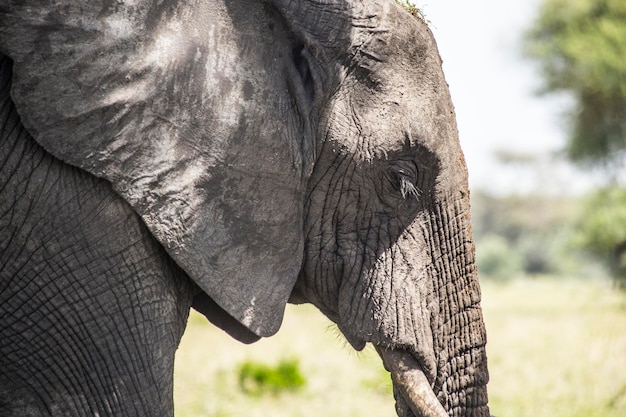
x,y
279,151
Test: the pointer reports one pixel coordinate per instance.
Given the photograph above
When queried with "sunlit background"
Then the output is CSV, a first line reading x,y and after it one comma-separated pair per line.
x,y
494,92
550,236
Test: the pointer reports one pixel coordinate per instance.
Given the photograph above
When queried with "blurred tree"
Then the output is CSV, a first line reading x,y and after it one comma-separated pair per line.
x,y
497,259
602,228
526,234
581,48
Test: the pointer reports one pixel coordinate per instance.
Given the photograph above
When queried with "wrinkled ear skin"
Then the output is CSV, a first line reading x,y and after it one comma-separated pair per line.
x,y
187,110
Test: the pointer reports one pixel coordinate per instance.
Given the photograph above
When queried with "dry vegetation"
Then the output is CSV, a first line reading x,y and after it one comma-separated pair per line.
x,y
556,348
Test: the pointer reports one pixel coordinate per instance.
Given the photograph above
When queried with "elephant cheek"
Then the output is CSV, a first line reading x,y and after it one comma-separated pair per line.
x,y
391,302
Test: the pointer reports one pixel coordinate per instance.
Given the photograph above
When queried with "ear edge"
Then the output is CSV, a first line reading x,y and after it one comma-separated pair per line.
x,y
220,318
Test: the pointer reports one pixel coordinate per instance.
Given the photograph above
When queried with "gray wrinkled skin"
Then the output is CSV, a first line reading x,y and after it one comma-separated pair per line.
x,y
233,156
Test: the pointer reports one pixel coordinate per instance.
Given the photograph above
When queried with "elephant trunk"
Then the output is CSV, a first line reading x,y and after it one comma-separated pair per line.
x,y
459,335
458,384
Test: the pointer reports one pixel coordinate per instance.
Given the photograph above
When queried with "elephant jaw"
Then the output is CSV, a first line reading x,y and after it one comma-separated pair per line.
x,y
414,395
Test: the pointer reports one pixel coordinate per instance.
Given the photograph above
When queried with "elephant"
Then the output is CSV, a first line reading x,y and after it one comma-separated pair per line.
x,y
232,156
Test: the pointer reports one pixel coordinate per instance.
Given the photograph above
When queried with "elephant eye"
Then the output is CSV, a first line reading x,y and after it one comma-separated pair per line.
x,y
404,179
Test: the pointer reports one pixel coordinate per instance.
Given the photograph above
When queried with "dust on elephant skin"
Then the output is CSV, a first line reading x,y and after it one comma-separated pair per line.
x,y
230,156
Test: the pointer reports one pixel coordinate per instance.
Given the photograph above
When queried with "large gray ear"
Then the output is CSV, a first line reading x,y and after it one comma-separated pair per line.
x,y
189,113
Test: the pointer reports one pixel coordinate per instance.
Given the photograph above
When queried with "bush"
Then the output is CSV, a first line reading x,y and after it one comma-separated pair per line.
x,y
496,259
258,378
531,235
602,228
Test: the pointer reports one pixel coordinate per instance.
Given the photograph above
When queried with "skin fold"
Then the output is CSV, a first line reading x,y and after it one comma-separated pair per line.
x,y
232,156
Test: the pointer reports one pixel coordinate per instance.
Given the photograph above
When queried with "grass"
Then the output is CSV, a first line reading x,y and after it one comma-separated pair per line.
x,y
258,378
339,381
556,348
413,10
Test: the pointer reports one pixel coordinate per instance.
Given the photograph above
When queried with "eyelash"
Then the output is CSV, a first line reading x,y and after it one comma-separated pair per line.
x,y
404,179
408,188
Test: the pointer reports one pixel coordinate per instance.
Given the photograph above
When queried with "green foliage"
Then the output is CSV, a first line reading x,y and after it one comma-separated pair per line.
x,y
525,235
602,228
258,378
497,259
581,48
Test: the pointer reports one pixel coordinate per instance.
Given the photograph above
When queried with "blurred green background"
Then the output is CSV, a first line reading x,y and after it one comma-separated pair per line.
x,y
555,347
540,93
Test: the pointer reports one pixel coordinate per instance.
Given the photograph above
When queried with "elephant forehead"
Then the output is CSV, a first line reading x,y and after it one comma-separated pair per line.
x,y
386,39
393,89
375,125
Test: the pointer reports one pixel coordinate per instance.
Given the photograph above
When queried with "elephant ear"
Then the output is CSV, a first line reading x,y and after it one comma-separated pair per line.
x,y
188,112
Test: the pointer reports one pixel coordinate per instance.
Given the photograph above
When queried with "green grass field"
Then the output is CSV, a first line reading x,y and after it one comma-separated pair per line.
x,y
556,348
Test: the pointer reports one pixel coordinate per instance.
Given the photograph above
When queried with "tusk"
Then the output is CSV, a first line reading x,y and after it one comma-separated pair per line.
x,y
411,382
